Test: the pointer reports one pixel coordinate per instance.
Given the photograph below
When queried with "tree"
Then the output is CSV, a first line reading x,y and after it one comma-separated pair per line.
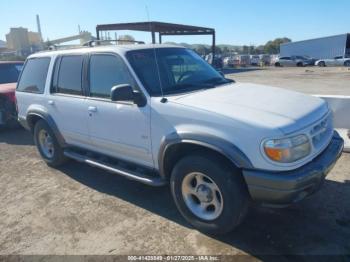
x,y
202,50
125,38
273,47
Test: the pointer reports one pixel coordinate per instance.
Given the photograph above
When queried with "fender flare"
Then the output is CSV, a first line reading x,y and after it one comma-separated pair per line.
x,y
223,147
49,120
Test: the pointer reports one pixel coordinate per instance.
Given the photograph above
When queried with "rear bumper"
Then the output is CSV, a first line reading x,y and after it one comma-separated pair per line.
x,y
8,114
287,187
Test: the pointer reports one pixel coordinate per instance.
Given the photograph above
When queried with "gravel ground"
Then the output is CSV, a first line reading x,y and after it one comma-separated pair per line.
x,y
80,210
311,80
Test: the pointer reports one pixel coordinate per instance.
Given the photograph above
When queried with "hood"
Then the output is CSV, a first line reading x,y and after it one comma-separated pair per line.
x,y
258,105
7,88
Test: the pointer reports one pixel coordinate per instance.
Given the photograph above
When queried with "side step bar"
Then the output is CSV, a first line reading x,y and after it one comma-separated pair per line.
x,y
133,175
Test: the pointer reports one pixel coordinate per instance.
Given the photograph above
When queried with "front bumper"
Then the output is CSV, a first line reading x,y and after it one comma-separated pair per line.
x,y
287,187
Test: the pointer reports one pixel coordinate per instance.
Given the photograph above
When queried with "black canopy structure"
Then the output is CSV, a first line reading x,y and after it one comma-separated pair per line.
x,y
163,29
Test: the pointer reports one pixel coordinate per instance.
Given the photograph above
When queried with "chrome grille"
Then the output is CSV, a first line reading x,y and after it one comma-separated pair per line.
x,y
322,131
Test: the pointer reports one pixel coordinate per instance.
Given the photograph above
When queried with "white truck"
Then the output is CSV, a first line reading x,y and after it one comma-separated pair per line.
x,y
160,114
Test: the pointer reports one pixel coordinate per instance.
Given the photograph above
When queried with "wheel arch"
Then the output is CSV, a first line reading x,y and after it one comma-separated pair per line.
x,y
176,145
34,115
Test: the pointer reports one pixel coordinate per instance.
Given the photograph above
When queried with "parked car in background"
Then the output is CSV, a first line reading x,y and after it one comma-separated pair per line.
x,y
217,62
265,60
9,73
310,60
255,60
292,61
336,61
231,61
244,60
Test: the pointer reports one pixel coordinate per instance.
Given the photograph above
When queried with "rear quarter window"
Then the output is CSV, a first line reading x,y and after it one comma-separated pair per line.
x,y
34,75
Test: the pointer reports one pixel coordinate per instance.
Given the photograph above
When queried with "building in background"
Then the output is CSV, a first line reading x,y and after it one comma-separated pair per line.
x,y
319,48
17,39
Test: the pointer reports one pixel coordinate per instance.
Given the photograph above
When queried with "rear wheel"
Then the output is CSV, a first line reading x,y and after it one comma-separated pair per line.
x,y
300,64
277,64
322,64
347,63
210,194
47,144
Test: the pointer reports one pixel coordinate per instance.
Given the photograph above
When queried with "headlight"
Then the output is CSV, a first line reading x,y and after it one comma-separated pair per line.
x,y
287,150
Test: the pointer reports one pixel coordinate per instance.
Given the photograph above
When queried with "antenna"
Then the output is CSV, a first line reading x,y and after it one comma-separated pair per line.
x,y
163,100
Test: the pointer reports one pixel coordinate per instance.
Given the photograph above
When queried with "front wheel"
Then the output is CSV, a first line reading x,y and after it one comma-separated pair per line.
x,y
347,63
210,194
47,144
321,64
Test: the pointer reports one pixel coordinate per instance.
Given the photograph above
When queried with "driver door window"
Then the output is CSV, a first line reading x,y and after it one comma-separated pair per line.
x,y
105,72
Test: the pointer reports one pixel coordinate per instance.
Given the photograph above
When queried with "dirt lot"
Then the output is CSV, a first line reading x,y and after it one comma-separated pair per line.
x,y
82,210
311,80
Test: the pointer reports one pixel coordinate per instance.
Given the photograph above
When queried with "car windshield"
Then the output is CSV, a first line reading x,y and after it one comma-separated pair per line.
x,y
9,73
180,70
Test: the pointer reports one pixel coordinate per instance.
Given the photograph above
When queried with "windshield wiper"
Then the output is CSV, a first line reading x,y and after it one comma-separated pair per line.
x,y
218,81
188,87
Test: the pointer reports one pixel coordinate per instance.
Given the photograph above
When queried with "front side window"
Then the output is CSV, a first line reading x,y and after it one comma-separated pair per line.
x,y
70,75
107,71
34,75
180,70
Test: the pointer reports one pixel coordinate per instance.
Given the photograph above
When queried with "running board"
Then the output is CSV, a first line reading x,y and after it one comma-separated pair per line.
x,y
133,175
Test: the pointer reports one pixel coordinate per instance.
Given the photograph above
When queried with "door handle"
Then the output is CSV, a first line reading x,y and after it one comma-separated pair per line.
x,y
50,102
92,109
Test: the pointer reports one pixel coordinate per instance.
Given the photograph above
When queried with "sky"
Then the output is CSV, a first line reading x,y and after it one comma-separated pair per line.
x,y
237,22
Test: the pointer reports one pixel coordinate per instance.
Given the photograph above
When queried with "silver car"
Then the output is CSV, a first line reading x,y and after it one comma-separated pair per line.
x,y
291,61
336,61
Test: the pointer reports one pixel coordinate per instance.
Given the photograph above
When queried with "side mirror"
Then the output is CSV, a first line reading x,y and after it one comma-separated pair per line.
x,y
125,93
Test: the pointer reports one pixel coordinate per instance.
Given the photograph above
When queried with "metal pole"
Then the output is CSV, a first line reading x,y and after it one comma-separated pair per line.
x,y
153,37
213,46
97,34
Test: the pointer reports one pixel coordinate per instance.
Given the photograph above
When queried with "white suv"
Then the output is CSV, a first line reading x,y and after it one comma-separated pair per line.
x,y
160,115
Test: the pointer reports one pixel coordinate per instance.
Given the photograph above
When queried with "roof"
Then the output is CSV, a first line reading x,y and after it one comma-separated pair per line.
x,y
158,27
11,62
103,48
7,88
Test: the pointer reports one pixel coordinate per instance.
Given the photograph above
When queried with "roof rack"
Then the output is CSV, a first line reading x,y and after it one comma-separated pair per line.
x,y
98,42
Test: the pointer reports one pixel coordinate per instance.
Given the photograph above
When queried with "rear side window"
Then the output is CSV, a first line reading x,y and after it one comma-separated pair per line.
x,y
70,75
9,73
34,75
105,72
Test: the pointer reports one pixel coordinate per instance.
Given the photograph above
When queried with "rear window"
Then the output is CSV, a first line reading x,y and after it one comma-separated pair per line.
x,y
70,75
34,75
9,73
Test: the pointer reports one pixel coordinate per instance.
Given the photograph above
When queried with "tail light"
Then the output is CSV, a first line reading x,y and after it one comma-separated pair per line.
x,y
11,97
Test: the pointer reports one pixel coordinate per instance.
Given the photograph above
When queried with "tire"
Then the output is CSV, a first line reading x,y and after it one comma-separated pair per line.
x,y
53,154
347,63
231,187
322,64
300,64
277,64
